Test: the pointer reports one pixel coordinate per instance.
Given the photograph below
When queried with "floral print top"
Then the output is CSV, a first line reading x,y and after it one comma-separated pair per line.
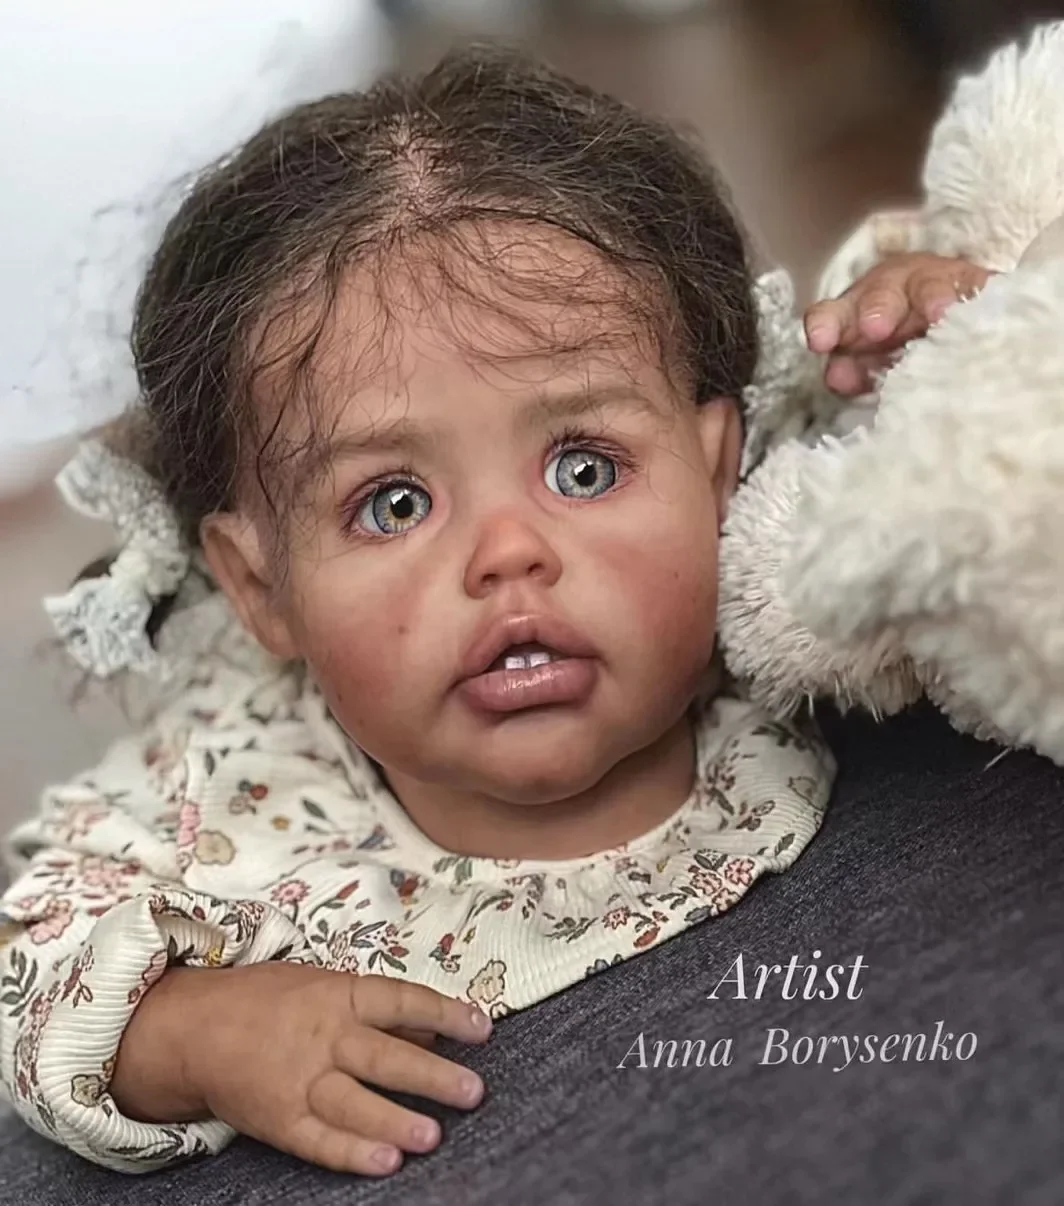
x,y
244,827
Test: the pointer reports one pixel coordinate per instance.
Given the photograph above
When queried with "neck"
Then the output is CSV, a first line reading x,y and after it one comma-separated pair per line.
x,y
637,794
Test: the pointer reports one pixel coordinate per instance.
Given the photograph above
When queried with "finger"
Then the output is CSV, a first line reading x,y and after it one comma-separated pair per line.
x,y
342,1102
932,296
824,324
383,1003
972,280
388,1062
880,311
340,1151
846,375
852,376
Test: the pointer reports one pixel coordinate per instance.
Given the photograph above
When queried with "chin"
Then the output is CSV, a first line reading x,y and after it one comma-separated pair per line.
x,y
539,766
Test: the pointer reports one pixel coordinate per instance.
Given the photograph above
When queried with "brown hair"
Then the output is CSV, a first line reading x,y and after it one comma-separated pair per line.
x,y
266,235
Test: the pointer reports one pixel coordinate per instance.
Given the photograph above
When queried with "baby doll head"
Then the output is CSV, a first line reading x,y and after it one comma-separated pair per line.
x,y
440,376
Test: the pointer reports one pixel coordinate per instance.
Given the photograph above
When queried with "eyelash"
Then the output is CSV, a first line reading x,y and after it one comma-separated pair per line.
x,y
569,439
399,475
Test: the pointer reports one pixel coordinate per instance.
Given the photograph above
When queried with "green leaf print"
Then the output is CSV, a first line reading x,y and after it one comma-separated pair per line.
x,y
462,865
486,902
315,810
571,928
384,956
785,843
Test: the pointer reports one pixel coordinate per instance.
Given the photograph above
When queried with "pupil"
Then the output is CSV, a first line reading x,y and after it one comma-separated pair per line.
x,y
403,505
585,475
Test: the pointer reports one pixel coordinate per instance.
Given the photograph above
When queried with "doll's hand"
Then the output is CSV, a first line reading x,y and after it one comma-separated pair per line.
x,y
898,300
290,1055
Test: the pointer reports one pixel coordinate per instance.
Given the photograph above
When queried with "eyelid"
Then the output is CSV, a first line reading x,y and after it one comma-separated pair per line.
x,y
572,438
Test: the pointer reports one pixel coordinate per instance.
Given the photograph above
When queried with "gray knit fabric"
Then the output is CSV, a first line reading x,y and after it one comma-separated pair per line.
x,y
945,875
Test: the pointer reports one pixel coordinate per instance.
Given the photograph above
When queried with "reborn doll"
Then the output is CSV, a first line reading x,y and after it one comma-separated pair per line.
x,y
918,547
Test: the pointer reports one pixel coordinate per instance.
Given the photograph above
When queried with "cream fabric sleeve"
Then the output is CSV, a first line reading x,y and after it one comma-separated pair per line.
x,y
95,915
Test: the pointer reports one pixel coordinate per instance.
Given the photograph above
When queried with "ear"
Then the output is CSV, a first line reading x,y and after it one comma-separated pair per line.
x,y
721,432
234,553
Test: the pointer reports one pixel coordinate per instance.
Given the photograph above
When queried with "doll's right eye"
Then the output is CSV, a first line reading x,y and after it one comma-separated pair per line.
x,y
393,509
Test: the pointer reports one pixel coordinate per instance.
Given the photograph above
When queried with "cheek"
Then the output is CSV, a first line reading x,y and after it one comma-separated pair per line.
x,y
665,579
357,631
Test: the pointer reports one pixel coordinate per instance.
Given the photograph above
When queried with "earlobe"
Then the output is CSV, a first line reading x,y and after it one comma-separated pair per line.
x,y
235,556
722,444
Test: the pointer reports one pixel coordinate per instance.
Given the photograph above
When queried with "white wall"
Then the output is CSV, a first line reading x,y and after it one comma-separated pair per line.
x,y
104,103
103,106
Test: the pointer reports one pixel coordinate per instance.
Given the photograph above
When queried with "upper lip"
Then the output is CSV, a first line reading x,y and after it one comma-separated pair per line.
x,y
525,628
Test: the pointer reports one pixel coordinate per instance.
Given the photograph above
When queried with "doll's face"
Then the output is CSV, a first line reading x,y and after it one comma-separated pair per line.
x,y
521,482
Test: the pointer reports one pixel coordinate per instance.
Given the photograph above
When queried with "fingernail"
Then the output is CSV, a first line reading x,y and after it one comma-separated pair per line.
x,y
386,1159
471,1087
873,319
481,1021
425,1134
820,336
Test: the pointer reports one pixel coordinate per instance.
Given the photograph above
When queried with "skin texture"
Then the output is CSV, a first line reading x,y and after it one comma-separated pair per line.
x,y
476,392
290,1055
898,300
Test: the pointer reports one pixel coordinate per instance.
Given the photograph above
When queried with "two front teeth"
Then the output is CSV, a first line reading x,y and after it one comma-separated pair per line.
x,y
526,661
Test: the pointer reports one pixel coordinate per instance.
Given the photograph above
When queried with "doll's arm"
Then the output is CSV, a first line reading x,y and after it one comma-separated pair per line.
x,y
96,914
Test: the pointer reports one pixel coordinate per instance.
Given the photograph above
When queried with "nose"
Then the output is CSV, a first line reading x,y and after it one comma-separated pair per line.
x,y
510,550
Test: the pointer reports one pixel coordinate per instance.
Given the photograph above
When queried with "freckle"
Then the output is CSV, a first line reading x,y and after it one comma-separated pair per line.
x,y
403,630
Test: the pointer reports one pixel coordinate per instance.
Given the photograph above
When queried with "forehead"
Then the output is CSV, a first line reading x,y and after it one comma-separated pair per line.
x,y
510,306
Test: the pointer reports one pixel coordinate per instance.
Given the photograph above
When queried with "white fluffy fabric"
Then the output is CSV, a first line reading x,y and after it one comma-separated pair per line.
x,y
928,551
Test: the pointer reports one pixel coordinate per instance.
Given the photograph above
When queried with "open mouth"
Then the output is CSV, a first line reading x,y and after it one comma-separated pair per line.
x,y
524,657
523,663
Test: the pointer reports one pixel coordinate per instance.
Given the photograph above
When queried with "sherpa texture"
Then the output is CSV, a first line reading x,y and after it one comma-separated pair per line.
x,y
927,551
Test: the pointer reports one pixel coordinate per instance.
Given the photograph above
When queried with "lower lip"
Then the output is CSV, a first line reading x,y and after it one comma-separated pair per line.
x,y
568,681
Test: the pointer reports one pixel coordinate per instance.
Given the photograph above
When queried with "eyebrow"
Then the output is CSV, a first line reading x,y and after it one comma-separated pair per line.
x,y
574,404
400,436
406,437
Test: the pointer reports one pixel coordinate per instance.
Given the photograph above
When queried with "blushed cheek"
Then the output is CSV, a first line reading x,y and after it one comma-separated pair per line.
x,y
357,651
667,592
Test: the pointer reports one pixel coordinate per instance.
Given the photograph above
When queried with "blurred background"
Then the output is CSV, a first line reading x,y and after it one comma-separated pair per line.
x,y
814,110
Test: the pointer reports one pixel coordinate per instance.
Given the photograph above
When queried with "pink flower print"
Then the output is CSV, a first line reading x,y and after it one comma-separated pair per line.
x,y
74,985
107,876
707,883
58,915
188,823
740,871
289,892
343,952
76,820
616,917
152,973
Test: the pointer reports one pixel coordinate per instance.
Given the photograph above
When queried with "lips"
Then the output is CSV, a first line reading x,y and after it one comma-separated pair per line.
x,y
513,631
525,661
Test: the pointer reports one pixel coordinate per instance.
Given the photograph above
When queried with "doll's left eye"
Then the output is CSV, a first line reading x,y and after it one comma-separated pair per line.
x,y
581,473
